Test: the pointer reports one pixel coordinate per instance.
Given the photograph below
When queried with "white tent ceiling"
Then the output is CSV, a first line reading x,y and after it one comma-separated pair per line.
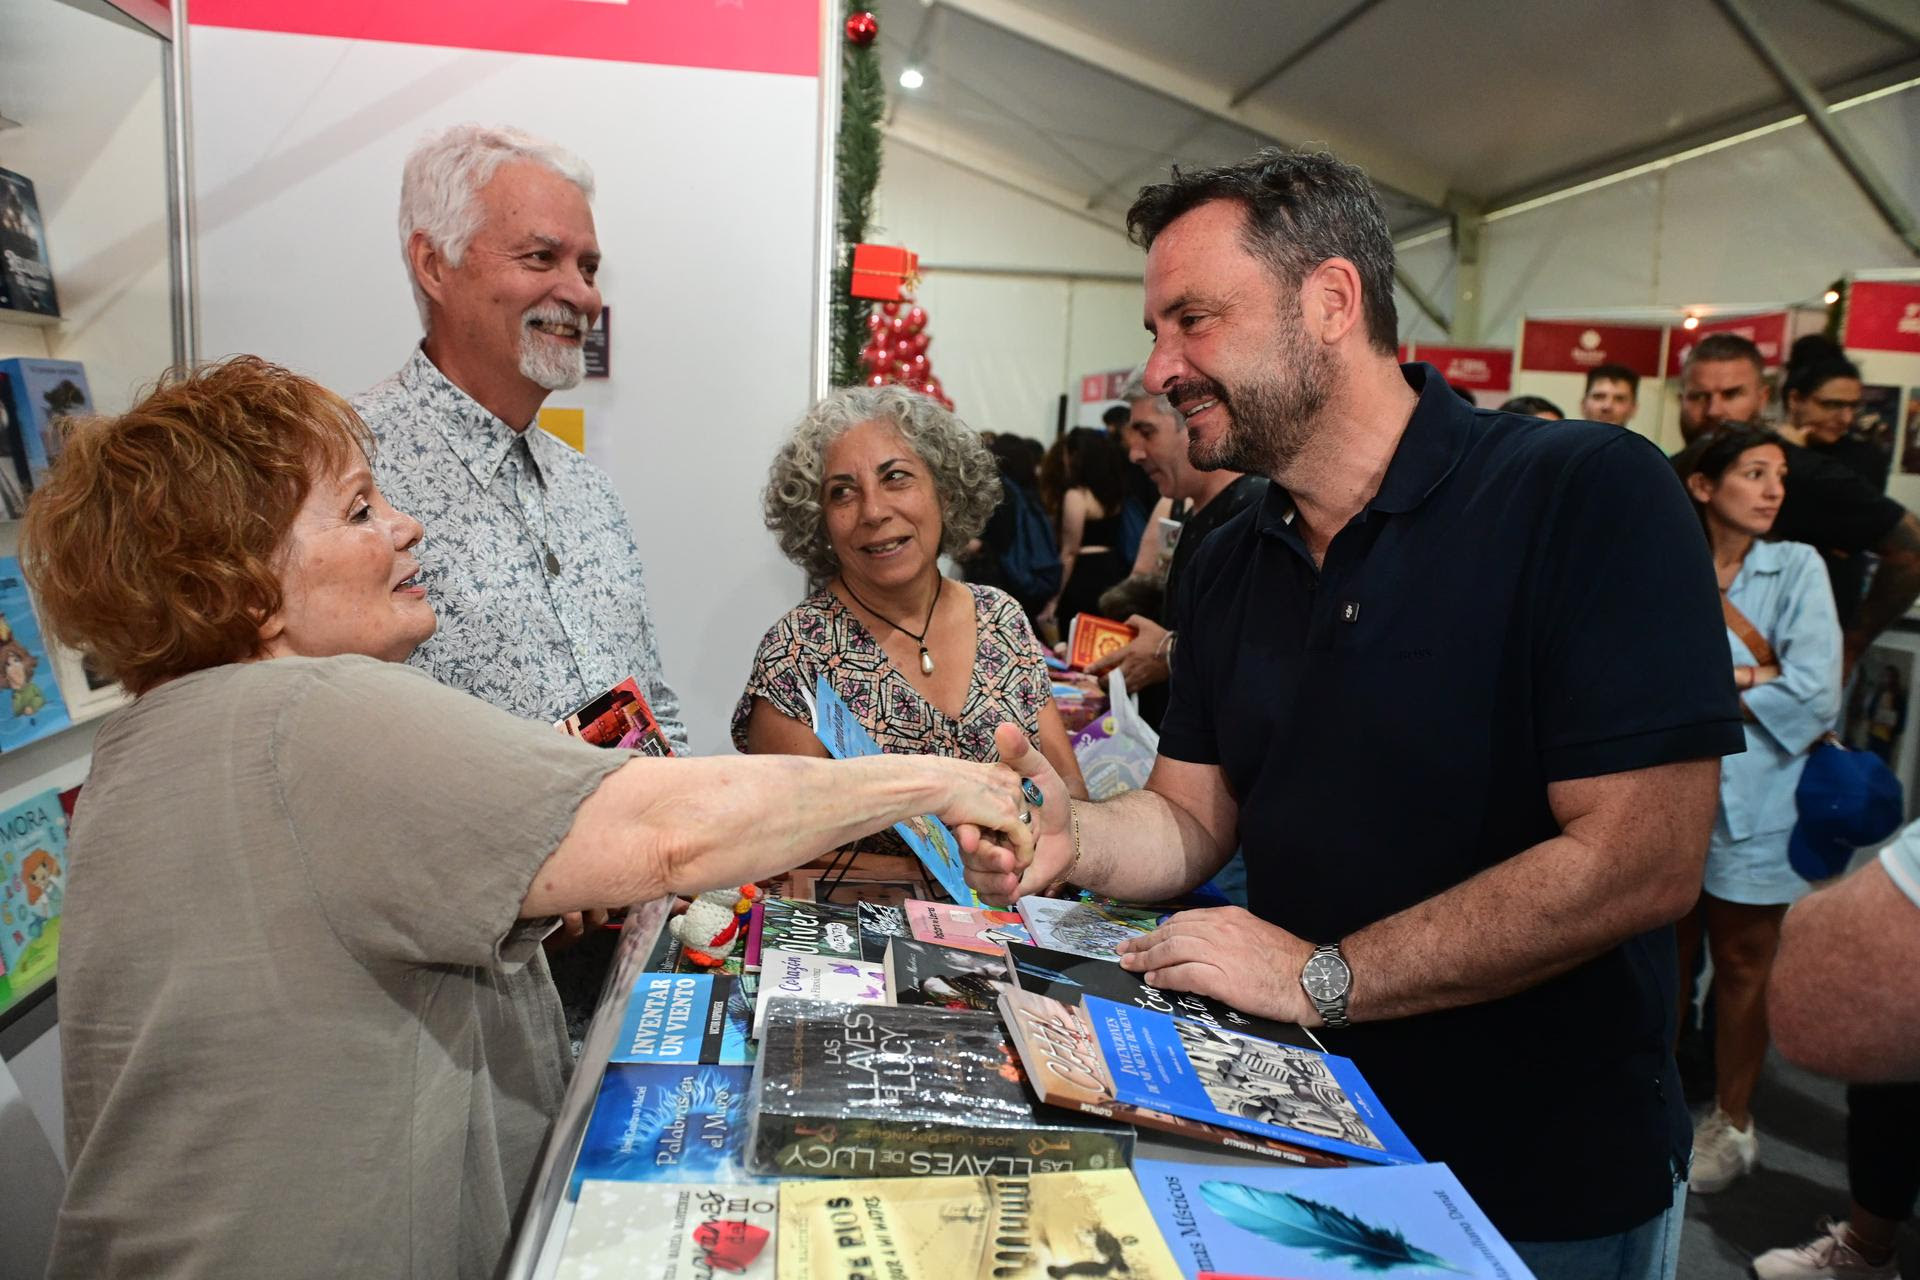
x,y
1471,104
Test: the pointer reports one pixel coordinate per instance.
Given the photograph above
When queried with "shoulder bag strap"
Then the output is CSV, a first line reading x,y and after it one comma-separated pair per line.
x,y
1749,634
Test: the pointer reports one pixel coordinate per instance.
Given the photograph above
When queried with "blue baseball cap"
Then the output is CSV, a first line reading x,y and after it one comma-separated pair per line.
x,y
1847,800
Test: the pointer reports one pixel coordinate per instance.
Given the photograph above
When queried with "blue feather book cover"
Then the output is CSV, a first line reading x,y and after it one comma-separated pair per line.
x,y
656,1122
928,837
686,1018
1241,1082
1323,1224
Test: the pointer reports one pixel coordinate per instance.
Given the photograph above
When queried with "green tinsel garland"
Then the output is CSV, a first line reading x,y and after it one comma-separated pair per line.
x,y
863,100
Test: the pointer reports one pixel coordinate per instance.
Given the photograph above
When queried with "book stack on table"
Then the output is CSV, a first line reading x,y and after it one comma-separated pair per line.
x,y
917,1088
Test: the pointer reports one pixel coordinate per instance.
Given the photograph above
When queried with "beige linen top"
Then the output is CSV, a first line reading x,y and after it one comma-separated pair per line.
x,y
304,1031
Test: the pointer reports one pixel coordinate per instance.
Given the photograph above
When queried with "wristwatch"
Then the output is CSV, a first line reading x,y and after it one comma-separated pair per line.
x,y
1327,980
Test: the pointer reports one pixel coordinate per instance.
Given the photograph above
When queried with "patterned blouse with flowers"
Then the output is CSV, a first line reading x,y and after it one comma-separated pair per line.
x,y
821,634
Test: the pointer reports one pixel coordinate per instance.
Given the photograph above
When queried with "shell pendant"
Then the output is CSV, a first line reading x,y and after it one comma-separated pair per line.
x,y
926,661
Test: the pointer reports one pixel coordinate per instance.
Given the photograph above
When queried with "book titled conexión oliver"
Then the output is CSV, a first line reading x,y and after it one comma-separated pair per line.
x,y
859,1090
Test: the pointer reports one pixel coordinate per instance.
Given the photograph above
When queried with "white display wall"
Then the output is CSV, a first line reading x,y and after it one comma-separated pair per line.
x,y
705,213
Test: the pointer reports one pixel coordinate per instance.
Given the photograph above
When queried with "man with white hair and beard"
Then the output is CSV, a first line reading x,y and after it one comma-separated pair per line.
x,y
529,559
1458,687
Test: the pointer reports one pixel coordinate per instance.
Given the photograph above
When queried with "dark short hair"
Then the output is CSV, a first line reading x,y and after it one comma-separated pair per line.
x,y
1805,379
1116,416
1614,373
1718,347
1301,208
1713,453
1532,407
1095,461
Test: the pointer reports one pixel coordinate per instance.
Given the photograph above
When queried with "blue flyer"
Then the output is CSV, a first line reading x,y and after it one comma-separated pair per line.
x,y
1238,1081
927,836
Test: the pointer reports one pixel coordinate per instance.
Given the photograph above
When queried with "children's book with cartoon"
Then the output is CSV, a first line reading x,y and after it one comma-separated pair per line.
x,y
30,704
33,886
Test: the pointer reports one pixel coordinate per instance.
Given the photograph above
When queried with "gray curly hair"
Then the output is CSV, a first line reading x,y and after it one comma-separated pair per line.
x,y
965,476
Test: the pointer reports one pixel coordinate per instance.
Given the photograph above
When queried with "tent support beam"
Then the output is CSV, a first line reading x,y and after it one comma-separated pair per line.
x,y
1857,164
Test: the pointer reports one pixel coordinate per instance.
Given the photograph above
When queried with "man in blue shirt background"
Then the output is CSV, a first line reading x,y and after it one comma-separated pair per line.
x,y
1459,687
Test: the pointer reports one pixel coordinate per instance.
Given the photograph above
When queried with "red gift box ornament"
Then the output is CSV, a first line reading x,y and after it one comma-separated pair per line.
x,y
885,272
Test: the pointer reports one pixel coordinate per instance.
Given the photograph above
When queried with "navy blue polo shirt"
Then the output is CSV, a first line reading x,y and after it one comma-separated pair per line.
x,y
1521,603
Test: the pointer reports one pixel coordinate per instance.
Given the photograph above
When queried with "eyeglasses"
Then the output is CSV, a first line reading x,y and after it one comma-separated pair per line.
x,y
1837,406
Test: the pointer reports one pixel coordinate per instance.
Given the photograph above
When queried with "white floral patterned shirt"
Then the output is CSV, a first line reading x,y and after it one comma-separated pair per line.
x,y
495,503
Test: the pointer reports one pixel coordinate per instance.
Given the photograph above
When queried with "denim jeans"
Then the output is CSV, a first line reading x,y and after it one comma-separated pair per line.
x,y
1650,1251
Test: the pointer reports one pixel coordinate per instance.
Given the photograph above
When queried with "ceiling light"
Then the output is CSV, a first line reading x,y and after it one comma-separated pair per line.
x,y
1830,297
911,78
1691,322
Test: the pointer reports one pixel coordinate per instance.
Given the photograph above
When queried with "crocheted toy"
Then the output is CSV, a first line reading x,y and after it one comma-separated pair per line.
x,y
710,928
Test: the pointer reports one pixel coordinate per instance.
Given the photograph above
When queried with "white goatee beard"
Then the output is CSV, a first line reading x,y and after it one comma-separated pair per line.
x,y
551,366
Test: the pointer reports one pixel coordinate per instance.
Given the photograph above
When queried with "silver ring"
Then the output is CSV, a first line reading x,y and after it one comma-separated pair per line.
x,y
1026,816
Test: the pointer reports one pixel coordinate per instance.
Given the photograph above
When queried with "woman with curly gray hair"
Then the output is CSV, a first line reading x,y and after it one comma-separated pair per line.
x,y
867,493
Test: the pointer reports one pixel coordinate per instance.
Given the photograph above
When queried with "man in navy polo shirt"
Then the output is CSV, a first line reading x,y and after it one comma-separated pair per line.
x,y
1459,686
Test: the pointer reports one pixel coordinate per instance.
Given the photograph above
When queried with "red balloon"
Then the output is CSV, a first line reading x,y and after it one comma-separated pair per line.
x,y
890,308
919,365
916,319
916,385
877,380
902,348
934,388
875,322
920,343
897,326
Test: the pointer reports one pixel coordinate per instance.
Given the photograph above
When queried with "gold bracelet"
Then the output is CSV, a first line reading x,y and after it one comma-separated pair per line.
x,y
1073,817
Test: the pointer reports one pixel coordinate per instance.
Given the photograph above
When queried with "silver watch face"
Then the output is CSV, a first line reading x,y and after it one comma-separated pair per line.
x,y
1326,977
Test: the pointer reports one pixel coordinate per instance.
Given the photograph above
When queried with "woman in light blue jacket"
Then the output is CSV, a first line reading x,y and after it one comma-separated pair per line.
x,y
1785,642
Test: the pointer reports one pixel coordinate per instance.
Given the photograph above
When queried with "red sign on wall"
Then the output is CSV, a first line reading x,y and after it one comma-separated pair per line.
x,y
1767,331
1568,346
1095,387
1470,368
1882,315
780,36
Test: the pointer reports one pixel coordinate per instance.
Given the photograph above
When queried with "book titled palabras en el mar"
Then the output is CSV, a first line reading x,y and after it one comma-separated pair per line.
x,y
867,1090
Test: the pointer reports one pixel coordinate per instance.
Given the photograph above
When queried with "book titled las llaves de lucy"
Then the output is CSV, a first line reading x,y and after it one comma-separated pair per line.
x,y
1258,1221
960,1228
866,1090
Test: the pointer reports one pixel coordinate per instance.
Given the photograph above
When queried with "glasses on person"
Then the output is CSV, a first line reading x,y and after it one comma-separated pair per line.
x,y
1837,406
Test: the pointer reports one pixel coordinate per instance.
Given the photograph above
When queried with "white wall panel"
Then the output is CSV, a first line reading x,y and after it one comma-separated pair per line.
x,y
705,214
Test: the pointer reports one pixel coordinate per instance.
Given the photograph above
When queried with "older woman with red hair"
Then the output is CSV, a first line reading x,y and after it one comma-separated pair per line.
x,y
304,1017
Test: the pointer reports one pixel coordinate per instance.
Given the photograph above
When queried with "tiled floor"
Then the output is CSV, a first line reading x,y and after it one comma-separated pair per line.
x,y
1802,1177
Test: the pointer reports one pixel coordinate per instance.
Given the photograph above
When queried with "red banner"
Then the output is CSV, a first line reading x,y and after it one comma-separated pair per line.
x,y
1767,331
1882,315
1470,368
1095,387
1568,346
779,36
